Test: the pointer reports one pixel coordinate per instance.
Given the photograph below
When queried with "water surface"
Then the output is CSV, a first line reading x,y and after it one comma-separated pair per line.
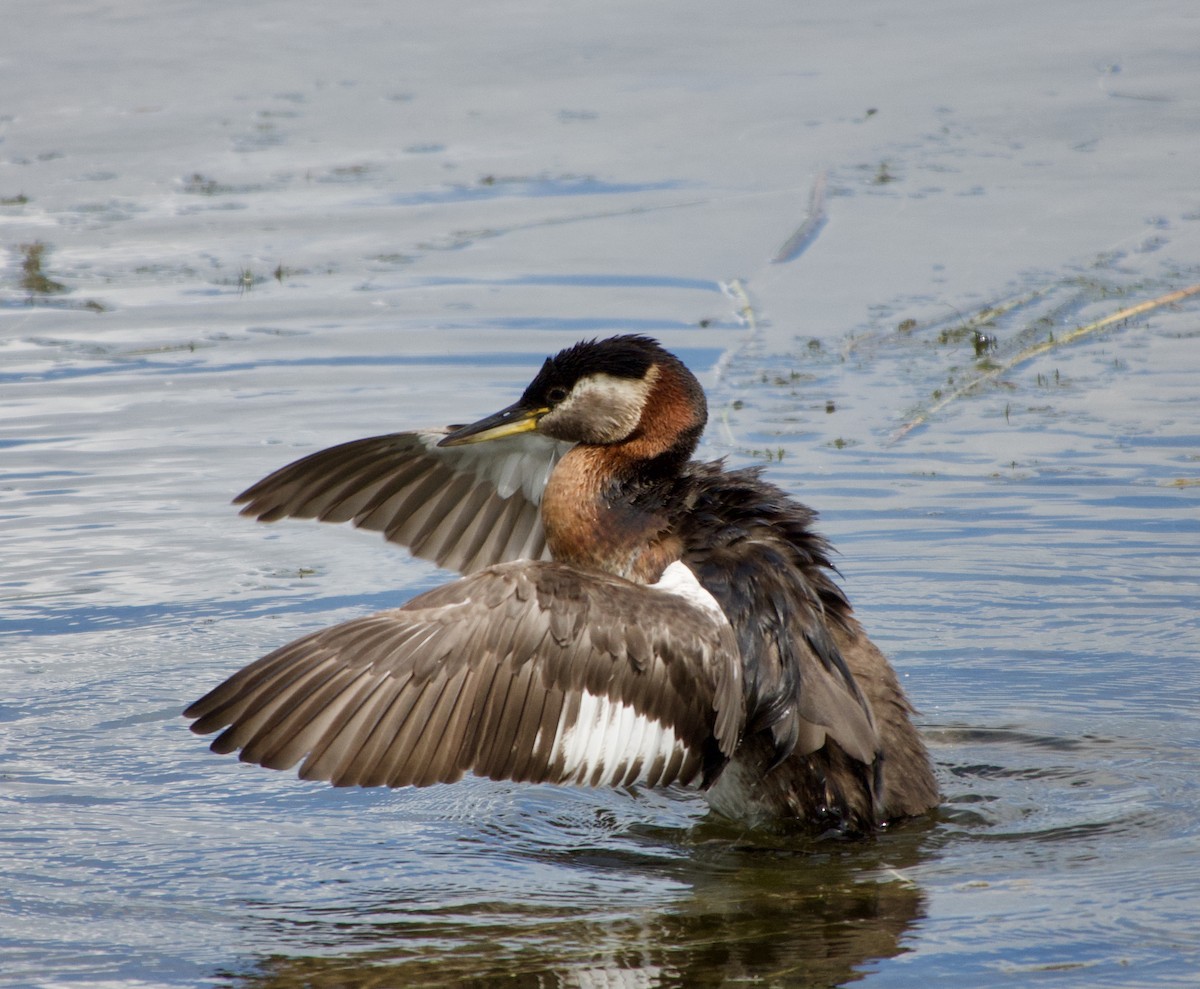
x,y
274,227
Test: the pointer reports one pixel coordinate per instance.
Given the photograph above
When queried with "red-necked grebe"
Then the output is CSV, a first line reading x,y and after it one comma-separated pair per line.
x,y
627,615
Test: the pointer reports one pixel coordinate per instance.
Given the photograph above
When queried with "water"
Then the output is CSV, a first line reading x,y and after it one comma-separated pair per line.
x,y
278,226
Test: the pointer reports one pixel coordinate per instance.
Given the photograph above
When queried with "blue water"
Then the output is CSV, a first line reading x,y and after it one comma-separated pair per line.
x,y
280,227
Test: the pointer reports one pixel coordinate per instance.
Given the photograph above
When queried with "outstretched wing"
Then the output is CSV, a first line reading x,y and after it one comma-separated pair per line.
x,y
524,671
463,507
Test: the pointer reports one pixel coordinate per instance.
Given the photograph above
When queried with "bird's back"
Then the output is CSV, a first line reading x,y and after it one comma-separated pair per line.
x,y
824,706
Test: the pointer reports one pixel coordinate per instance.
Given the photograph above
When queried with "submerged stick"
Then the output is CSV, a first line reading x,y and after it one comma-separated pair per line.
x,y
1040,348
807,232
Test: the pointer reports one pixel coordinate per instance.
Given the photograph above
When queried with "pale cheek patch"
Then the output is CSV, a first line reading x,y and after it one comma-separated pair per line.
x,y
601,408
608,738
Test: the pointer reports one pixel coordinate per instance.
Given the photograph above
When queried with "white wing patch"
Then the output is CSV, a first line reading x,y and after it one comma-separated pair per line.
x,y
678,579
608,739
609,742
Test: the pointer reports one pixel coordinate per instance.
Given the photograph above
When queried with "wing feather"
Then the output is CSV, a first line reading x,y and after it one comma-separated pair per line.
x,y
467,515
346,737
420,740
292,732
242,732
436,757
464,507
499,731
623,686
395,749
369,766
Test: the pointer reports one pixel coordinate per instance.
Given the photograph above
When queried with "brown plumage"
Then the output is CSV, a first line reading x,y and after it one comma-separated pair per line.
x,y
628,616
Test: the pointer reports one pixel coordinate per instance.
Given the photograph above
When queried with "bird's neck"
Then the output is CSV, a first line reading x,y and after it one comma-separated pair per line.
x,y
599,518
609,507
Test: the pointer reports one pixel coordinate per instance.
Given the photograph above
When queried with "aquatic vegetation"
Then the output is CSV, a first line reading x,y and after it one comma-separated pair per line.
x,y
1051,342
33,278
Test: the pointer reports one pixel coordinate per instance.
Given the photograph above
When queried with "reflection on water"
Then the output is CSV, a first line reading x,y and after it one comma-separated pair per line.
x,y
746,911
610,900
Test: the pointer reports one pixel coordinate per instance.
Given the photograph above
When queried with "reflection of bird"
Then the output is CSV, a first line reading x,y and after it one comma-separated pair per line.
x,y
628,616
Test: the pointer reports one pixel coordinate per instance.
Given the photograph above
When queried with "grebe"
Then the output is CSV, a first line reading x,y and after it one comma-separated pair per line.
x,y
627,615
